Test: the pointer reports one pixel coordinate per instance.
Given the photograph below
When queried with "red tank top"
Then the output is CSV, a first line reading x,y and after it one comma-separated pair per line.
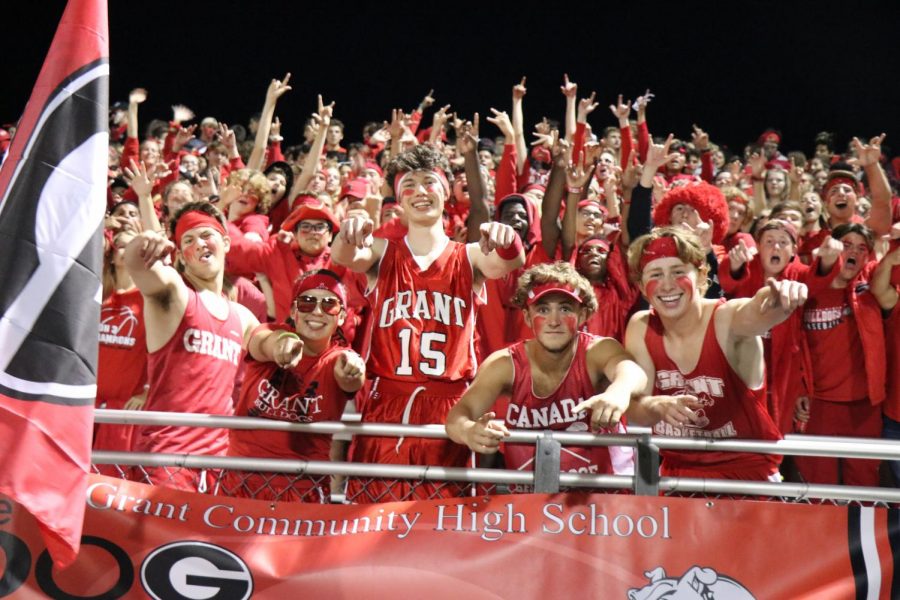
x,y
308,393
122,364
554,412
423,321
194,372
730,408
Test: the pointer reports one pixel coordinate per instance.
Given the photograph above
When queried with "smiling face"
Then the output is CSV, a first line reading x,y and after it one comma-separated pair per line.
x,y
313,236
589,220
775,251
555,319
422,196
316,325
670,286
592,261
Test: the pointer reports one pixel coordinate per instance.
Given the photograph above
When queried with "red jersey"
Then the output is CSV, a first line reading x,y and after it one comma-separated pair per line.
x,y
194,372
555,412
122,363
730,408
423,320
838,363
308,393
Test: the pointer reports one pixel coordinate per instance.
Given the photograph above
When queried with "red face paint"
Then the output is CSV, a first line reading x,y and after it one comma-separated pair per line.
x,y
685,283
651,287
538,323
570,322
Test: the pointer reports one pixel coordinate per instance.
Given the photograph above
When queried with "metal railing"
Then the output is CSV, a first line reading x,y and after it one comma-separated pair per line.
x,y
546,477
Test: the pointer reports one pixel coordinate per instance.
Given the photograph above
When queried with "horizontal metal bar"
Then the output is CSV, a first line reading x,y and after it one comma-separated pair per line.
x,y
793,445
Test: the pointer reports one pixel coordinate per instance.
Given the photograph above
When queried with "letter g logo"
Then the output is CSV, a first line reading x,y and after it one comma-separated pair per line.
x,y
194,571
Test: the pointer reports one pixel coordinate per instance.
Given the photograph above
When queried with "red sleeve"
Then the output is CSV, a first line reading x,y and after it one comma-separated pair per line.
x,y
248,257
809,274
256,223
415,119
169,142
235,164
617,275
130,151
506,174
523,178
273,153
746,284
706,167
578,141
627,145
643,140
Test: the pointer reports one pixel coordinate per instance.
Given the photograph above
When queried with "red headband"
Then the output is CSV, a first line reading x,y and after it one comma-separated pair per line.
x,y
593,242
439,173
553,287
321,281
193,219
852,182
661,247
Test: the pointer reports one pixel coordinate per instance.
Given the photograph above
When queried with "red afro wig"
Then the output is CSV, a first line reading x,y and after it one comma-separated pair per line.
x,y
706,199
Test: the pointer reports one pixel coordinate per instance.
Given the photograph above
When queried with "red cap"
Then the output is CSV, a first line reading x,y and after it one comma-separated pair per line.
x,y
310,209
356,188
374,166
553,287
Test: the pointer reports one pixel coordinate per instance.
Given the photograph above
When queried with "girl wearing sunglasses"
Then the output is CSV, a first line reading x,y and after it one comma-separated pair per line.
x,y
308,381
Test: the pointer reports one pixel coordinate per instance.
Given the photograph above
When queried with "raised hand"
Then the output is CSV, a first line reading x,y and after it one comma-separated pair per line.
x,y
137,96
428,100
621,110
278,88
519,90
867,154
658,155
324,112
700,138
154,246
275,130
569,89
640,104
181,113
586,106
349,365
757,164
228,139
183,136
502,122
577,175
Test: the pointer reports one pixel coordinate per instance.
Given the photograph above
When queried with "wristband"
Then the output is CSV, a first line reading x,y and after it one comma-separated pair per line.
x,y
284,334
512,251
573,190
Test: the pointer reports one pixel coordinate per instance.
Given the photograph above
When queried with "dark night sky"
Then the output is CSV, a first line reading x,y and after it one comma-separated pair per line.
x,y
734,68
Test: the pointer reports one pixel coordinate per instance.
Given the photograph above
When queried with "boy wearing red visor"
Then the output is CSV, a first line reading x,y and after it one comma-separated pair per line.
x,y
711,349
562,380
195,335
423,290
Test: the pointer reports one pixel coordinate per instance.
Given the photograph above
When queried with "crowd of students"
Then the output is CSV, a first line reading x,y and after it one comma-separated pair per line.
x,y
573,278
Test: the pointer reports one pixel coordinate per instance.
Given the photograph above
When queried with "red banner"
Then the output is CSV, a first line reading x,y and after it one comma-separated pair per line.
x,y
141,541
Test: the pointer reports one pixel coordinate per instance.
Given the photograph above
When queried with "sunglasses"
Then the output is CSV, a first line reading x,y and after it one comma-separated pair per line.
x,y
313,227
330,306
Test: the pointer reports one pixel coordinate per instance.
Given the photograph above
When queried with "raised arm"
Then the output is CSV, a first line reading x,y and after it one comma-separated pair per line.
x,y
156,281
142,181
518,123
620,111
868,157
884,292
321,118
355,248
467,146
277,88
469,422
553,198
577,177
570,91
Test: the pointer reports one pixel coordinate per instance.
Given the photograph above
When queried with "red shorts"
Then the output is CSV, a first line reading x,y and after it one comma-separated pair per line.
x,y
407,403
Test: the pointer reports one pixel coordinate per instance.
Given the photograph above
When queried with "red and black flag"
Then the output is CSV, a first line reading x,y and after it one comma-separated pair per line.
x,y
52,202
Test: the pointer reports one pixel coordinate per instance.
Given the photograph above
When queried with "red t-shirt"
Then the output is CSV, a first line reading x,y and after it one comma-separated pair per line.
x,y
730,408
554,412
892,343
839,368
423,321
308,393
